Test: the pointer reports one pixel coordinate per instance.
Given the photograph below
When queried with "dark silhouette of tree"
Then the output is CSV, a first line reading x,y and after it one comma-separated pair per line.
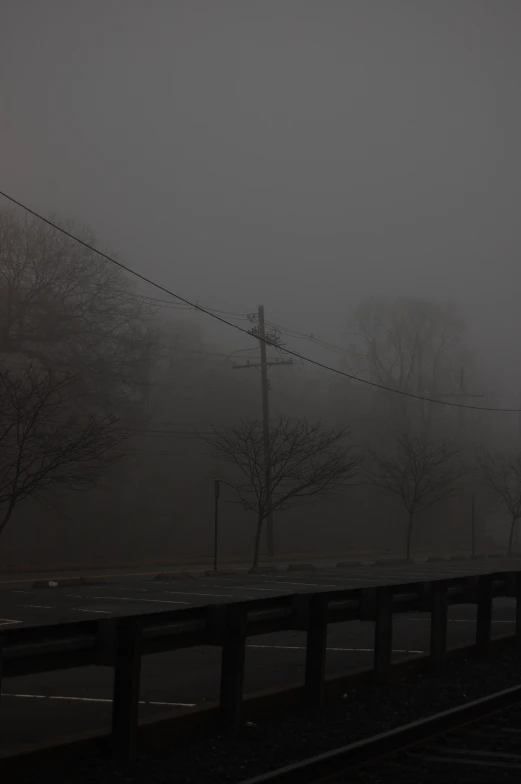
x,y
306,464
501,474
419,471
45,442
64,307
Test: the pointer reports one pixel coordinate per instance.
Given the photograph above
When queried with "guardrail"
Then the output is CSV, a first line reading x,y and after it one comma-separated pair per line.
x,y
121,642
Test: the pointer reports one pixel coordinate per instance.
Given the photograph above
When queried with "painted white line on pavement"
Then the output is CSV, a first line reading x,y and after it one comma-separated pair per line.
x,y
271,590
457,620
350,650
307,585
193,593
125,599
8,622
97,699
38,606
130,590
23,591
104,612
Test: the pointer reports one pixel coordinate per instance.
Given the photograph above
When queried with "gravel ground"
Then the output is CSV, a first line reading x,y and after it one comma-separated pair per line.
x,y
293,737
484,752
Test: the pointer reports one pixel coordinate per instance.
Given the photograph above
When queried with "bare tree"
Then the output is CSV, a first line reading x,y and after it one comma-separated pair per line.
x,y
306,464
502,477
63,306
420,472
44,442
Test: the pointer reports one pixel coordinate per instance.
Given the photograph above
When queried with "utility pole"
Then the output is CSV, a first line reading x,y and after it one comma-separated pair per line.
x,y
462,396
271,338
216,524
473,521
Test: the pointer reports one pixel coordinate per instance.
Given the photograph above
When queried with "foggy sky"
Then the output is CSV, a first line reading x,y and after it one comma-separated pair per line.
x,y
301,154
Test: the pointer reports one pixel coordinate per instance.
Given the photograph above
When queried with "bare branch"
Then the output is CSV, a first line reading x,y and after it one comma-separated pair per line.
x,y
44,442
501,474
62,306
417,470
306,462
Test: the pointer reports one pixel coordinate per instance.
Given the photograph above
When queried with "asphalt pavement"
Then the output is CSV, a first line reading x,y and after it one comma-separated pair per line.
x,y
39,707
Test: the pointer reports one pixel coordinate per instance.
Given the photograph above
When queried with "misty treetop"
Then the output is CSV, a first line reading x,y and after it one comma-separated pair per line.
x,y
63,306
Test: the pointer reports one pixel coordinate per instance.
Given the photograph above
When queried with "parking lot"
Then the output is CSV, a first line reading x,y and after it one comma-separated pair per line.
x,y
35,708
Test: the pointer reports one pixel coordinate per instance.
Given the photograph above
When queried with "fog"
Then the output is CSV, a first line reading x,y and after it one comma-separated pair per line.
x,y
302,155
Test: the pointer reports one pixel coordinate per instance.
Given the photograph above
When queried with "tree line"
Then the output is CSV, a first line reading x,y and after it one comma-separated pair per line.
x,y
84,357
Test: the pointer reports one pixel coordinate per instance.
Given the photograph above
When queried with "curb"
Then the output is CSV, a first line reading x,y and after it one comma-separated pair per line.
x,y
394,562
187,563
348,564
220,572
301,567
65,581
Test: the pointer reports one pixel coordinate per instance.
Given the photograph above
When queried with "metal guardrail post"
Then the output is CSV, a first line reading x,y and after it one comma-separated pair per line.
x,y
383,634
316,643
439,617
127,676
232,667
484,614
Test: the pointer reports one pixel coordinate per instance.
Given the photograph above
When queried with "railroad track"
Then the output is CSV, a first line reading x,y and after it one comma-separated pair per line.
x,y
477,742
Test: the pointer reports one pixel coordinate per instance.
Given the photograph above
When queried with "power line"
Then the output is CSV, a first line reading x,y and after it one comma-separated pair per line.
x,y
245,331
168,433
177,425
166,303
161,454
311,338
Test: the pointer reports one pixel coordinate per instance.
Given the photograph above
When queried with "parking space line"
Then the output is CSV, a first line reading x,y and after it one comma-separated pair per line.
x,y
271,590
457,620
348,650
126,599
81,609
8,622
130,590
96,699
307,585
38,606
193,593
